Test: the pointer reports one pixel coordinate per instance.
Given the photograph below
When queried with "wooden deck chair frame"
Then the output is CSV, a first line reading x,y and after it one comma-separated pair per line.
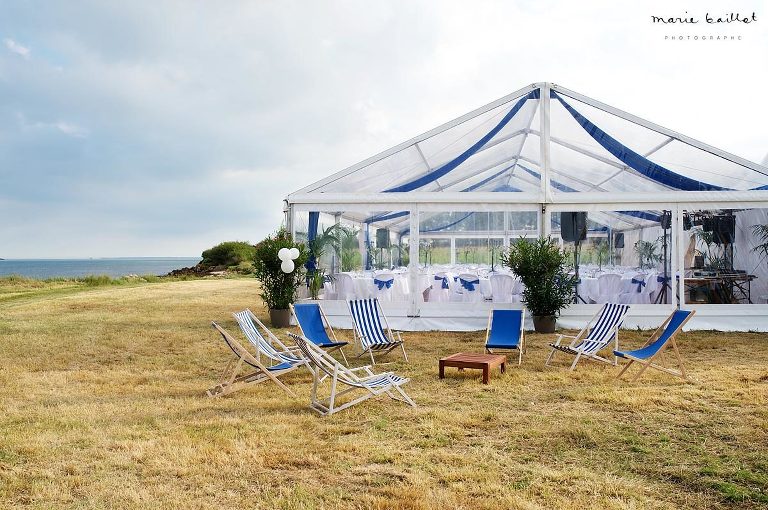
x,y
648,363
327,325
521,346
233,379
373,384
393,344
580,336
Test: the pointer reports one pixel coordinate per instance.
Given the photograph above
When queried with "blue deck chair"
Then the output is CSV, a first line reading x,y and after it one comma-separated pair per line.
x,y
361,378
232,379
265,343
312,324
591,340
369,332
505,331
655,346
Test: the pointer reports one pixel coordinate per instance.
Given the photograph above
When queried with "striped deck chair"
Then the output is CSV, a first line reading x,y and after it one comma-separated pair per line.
x,y
232,380
505,331
655,346
372,384
366,314
589,341
265,344
312,324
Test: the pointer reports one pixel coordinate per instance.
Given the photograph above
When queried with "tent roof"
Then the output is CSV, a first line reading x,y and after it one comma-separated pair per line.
x,y
575,143
593,147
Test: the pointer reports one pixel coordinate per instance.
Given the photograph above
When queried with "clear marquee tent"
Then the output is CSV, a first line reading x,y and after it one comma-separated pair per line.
x,y
690,216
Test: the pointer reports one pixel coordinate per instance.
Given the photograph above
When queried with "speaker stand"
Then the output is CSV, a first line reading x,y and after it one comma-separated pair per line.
x,y
576,296
662,297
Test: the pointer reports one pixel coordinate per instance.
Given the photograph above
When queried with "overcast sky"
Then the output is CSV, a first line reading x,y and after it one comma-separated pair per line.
x,y
160,128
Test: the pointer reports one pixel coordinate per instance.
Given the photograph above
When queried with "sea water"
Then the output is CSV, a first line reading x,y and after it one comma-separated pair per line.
x,y
114,267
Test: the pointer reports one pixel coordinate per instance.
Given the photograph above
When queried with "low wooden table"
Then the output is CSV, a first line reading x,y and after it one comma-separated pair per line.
x,y
464,360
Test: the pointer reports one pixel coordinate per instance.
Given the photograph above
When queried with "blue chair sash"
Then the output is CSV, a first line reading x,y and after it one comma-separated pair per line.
x,y
444,279
383,283
469,284
640,284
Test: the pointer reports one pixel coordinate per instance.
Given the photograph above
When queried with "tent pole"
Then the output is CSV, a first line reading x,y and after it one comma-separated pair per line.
x,y
679,257
544,229
413,261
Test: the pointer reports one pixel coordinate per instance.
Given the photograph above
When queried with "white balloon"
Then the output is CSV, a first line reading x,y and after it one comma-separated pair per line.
x,y
284,254
287,266
295,253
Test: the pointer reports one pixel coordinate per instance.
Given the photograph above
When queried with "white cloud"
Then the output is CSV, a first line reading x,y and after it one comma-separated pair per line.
x,y
153,113
71,129
17,48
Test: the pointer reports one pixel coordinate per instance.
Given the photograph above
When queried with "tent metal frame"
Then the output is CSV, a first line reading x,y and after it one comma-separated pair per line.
x,y
544,200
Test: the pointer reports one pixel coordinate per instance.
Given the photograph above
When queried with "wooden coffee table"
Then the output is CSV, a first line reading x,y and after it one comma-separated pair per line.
x,y
464,360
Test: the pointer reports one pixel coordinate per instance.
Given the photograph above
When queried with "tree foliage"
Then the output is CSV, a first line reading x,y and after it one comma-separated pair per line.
x,y
228,253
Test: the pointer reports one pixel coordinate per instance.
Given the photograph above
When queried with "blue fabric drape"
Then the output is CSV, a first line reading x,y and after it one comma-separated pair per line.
x,y
634,160
314,219
488,179
311,264
461,158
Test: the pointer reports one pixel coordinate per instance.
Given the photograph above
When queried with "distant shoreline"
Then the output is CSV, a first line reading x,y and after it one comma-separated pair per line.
x,y
77,268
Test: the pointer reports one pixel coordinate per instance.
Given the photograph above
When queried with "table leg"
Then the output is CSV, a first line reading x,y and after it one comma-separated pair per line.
x,y
442,370
486,374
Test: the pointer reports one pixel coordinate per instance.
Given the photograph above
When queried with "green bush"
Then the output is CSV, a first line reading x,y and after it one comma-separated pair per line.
x,y
228,253
541,265
278,289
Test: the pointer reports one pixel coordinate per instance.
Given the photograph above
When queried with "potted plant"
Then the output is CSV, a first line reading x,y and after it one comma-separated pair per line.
x,y
278,288
541,265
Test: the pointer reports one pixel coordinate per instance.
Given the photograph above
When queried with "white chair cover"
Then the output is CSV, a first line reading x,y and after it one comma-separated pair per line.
x,y
467,287
440,289
383,284
638,290
345,286
502,287
609,288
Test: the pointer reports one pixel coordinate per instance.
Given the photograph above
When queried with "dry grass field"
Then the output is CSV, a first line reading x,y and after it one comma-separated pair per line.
x,y
102,392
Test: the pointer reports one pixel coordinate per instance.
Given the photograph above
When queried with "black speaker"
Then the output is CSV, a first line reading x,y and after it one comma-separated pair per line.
x,y
724,229
666,219
618,240
573,226
382,238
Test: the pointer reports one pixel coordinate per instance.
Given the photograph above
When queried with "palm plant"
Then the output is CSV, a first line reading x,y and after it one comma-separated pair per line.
x,y
761,232
350,251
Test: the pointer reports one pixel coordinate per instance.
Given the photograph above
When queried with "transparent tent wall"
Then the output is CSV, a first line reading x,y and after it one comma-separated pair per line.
x,y
725,256
461,254
619,256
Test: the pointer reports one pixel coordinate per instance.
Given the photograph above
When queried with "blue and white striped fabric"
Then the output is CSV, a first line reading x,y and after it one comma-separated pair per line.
x,y
260,343
604,329
365,313
383,380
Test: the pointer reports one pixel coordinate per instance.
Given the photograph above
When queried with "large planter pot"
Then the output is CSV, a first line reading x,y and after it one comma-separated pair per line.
x,y
544,323
280,318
